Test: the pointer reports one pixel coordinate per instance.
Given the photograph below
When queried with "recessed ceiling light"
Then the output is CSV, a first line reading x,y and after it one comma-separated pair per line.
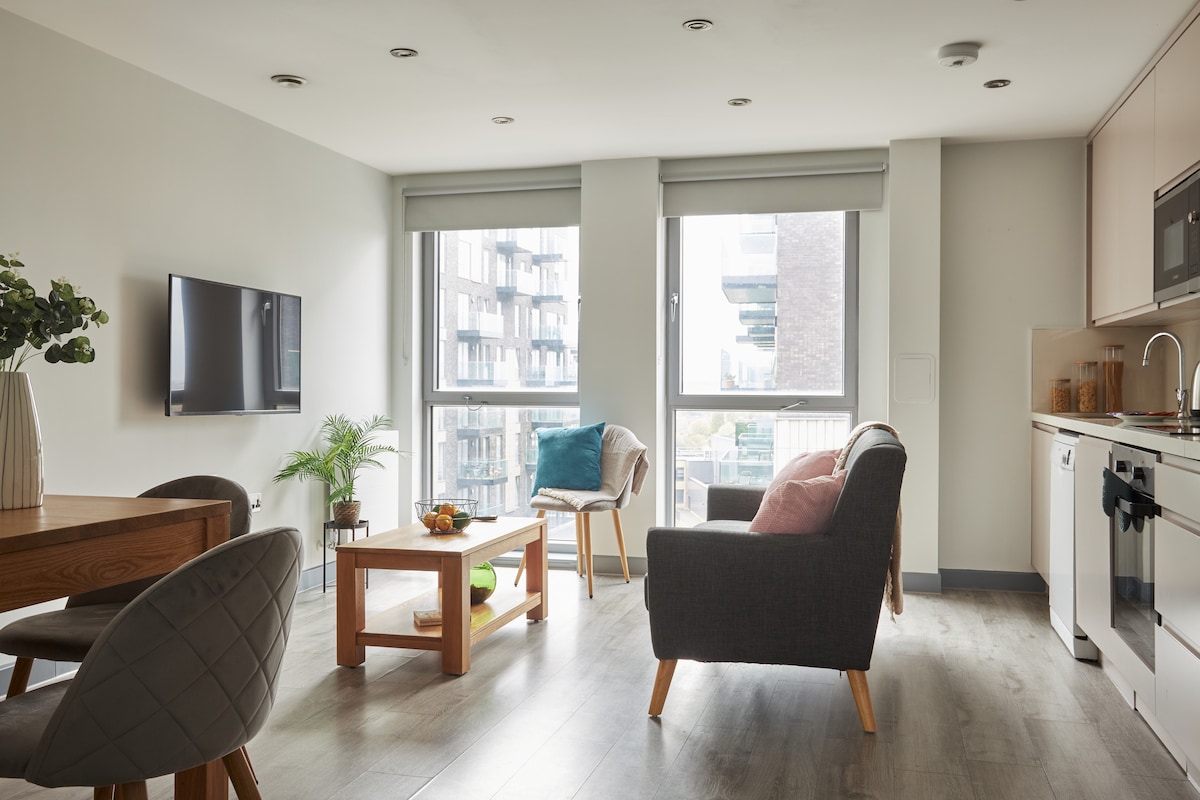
x,y
503,120
739,101
289,81
998,83
404,52
697,24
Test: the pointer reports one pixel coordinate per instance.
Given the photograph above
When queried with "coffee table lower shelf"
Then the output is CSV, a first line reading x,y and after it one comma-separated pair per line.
x,y
395,627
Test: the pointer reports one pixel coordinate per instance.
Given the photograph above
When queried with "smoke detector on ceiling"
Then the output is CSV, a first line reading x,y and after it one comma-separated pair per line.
x,y
959,54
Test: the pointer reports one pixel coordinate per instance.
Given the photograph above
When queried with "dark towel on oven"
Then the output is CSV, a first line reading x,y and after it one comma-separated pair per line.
x,y
1112,489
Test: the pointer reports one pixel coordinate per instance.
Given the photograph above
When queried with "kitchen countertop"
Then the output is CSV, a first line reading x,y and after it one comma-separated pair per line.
x,y
1103,426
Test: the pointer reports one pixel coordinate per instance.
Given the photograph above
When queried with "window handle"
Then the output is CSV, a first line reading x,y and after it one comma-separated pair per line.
x,y
796,404
674,304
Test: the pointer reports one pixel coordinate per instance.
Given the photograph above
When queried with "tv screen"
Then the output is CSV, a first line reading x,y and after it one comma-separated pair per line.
x,y
234,350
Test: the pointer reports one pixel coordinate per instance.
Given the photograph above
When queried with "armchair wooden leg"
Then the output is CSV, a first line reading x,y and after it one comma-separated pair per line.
x,y
862,698
103,793
587,547
521,567
662,685
241,775
19,681
132,791
621,543
579,545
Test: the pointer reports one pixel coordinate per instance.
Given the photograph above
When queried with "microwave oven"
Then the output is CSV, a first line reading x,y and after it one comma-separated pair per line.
x,y
1177,240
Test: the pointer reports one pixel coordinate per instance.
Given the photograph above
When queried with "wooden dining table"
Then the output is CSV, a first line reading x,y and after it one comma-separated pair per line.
x,y
72,544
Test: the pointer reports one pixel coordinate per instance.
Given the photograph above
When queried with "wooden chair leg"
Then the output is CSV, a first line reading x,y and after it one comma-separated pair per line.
x,y
249,763
621,543
579,545
19,681
662,685
521,567
862,698
241,775
103,792
132,791
587,547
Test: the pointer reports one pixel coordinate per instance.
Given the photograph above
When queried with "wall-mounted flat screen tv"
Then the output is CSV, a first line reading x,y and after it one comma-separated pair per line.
x,y
234,350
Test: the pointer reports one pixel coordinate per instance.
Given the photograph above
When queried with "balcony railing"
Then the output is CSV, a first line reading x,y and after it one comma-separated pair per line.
x,y
515,281
481,419
551,376
555,336
483,325
495,469
486,373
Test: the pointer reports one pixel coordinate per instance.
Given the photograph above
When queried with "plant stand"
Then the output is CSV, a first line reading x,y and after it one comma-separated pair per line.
x,y
337,528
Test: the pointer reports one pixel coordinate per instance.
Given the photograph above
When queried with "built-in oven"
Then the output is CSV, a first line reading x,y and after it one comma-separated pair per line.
x,y
1129,492
1177,240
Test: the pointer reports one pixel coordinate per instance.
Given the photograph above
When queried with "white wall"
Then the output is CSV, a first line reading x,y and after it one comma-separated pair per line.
x,y
1013,227
114,178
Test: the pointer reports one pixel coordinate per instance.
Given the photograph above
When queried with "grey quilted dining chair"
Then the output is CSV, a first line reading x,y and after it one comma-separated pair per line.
x,y
67,634
184,675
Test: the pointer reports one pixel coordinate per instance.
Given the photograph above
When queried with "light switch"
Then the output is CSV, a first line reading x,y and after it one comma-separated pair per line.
x,y
913,378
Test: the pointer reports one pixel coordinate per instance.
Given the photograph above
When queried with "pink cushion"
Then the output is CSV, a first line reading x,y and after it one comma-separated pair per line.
x,y
803,506
805,466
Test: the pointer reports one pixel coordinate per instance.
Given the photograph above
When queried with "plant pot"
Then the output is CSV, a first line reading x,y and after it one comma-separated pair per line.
x,y
346,512
20,443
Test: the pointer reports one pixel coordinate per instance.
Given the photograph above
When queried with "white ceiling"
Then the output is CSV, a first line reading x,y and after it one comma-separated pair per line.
x,y
622,78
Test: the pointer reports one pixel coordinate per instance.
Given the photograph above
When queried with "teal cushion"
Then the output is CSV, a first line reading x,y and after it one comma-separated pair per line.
x,y
569,458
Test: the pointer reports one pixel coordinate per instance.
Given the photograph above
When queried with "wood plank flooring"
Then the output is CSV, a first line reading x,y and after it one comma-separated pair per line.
x,y
975,698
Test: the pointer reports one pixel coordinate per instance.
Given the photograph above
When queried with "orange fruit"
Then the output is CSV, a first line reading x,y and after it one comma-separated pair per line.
x,y
448,509
444,522
430,519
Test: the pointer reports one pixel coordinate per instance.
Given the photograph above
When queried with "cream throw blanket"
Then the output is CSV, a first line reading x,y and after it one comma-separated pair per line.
x,y
893,587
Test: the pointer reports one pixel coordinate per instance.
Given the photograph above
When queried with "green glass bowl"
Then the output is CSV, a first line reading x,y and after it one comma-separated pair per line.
x,y
483,582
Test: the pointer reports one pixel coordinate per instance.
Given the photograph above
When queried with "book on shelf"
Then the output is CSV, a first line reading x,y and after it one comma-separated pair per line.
x,y
432,616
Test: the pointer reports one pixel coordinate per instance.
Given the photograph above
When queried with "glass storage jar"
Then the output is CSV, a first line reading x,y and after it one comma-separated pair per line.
x,y
1085,389
1060,395
1114,374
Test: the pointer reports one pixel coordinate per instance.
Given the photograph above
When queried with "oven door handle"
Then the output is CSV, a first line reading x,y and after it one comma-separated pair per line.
x,y
1140,506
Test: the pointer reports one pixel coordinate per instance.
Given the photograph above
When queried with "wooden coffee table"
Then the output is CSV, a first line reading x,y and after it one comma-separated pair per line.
x,y
412,547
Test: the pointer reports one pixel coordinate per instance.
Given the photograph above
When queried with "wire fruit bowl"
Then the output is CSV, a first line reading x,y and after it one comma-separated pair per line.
x,y
449,515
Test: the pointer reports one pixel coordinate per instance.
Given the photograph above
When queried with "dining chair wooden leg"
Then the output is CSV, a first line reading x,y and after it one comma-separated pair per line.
x,y
521,567
19,682
132,791
621,543
587,547
241,775
862,698
662,685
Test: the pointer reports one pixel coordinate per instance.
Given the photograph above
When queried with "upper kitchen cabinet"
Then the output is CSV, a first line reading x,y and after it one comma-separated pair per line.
x,y
1176,112
1122,209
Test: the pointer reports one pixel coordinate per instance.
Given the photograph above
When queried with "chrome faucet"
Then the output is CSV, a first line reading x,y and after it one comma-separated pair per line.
x,y
1181,393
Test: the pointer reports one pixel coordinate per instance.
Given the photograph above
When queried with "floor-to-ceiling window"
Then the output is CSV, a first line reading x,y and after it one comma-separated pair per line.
x,y
762,345
502,360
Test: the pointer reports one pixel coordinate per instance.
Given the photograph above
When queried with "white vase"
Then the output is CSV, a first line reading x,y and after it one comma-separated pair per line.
x,y
20,443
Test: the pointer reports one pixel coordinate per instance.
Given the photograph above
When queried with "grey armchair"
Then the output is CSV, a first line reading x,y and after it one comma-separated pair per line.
x,y
720,593
67,634
184,675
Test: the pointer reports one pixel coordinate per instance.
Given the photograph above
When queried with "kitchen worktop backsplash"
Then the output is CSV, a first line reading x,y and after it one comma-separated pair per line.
x,y
1055,353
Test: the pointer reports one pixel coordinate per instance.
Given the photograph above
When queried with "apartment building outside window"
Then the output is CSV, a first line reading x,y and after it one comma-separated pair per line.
x,y
763,359
502,361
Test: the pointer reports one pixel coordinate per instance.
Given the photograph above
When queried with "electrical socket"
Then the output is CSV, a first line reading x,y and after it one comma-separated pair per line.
x,y
255,502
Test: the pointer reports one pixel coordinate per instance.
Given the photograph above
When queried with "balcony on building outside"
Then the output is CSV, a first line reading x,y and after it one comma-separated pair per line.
x,y
552,376
549,292
483,471
553,417
762,336
481,373
740,289
516,282
480,422
757,314
555,336
481,325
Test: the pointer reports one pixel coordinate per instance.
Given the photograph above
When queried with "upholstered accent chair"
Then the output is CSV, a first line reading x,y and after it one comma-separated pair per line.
x,y
720,593
67,634
185,674
622,465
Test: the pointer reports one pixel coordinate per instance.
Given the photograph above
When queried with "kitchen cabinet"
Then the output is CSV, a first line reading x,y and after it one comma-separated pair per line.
x,y
1039,506
1122,209
1176,112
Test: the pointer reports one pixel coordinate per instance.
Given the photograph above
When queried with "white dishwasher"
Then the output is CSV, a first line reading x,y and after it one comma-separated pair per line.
x,y
1062,547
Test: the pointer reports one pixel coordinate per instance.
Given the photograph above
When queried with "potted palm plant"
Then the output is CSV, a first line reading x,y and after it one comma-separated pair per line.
x,y
349,447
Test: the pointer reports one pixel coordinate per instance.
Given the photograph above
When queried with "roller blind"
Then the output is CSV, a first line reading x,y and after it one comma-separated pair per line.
x,y
849,192
428,210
